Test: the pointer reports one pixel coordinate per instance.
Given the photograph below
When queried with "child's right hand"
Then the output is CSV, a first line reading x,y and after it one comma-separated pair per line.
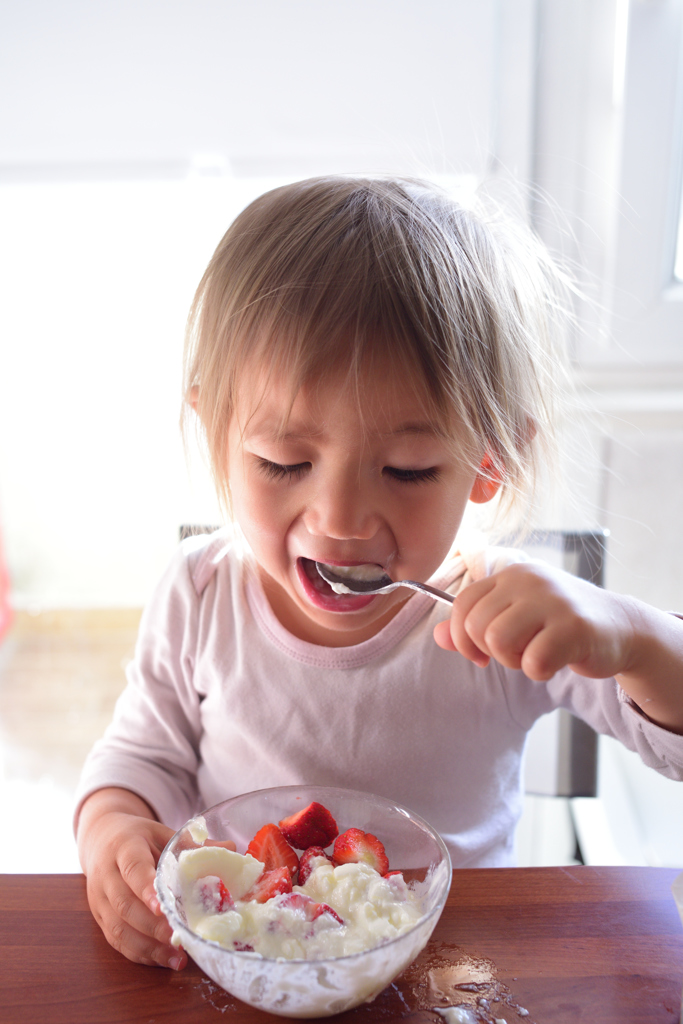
x,y
119,844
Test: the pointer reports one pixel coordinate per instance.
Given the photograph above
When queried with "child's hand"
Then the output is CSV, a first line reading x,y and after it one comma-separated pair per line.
x,y
119,845
538,619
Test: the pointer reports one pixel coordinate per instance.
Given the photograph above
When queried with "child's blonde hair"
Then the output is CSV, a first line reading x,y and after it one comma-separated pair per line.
x,y
333,272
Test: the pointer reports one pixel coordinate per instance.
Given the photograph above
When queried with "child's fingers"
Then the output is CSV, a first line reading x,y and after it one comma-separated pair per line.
x,y
539,638
595,652
124,911
506,634
549,651
132,917
442,635
128,925
149,943
227,844
138,859
472,610
537,619
135,929
137,865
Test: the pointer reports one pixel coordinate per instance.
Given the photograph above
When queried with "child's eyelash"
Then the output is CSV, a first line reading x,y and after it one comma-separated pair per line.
x,y
278,472
412,476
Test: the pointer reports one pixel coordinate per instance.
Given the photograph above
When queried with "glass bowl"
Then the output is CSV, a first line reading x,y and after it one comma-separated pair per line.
x,y
311,988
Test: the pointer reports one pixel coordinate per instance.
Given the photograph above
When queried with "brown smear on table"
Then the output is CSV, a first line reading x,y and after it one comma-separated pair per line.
x,y
445,975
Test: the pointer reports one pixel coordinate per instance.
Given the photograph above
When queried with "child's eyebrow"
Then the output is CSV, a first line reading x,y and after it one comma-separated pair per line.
x,y
416,429
265,432
273,432
421,429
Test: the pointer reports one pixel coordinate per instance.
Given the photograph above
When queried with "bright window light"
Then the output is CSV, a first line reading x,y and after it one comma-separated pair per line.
x,y
678,262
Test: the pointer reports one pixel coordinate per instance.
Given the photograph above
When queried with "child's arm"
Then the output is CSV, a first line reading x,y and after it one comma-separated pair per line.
x,y
119,844
531,617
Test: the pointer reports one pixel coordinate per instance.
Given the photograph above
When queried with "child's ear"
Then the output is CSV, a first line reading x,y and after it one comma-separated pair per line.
x,y
194,396
487,481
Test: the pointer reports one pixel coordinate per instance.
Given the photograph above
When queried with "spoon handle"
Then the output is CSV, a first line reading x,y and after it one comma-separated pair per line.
x,y
424,588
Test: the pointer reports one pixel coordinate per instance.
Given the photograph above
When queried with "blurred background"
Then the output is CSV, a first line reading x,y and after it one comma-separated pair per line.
x,y
131,133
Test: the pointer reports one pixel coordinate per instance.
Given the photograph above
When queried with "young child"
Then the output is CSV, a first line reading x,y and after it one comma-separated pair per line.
x,y
364,358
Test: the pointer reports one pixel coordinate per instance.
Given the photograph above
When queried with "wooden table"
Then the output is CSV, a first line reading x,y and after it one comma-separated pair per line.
x,y
570,945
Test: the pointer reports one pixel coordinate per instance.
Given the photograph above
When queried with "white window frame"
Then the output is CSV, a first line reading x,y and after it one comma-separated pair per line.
x,y
647,301
607,173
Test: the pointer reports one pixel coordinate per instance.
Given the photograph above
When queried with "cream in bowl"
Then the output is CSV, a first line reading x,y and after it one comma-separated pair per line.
x,y
329,895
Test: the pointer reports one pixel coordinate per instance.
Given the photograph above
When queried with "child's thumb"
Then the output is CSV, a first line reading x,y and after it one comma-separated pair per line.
x,y
442,635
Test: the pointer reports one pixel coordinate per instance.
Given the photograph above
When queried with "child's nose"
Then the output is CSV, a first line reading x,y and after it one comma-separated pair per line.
x,y
343,509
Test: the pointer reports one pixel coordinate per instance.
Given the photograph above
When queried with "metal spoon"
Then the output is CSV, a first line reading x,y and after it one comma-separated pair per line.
x,y
382,584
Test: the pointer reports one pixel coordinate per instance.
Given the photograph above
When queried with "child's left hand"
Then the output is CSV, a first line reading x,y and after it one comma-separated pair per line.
x,y
532,617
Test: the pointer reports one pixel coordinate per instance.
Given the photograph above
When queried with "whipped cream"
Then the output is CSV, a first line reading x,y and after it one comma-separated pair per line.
x,y
198,830
365,573
338,911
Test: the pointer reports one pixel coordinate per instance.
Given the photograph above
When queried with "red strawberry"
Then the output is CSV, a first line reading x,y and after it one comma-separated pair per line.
x,y
313,826
310,909
296,901
305,866
243,947
356,846
271,883
214,895
272,849
323,908
390,874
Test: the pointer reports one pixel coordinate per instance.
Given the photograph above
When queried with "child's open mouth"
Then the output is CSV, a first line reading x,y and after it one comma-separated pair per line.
x,y
320,593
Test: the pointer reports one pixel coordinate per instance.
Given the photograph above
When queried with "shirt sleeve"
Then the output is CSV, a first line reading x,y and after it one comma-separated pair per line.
x,y
609,710
151,746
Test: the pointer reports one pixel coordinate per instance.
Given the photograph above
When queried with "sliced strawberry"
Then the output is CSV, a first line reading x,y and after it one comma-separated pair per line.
x,y
214,894
297,901
243,947
398,885
308,907
323,908
272,849
271,883
313,826
305,866
357,847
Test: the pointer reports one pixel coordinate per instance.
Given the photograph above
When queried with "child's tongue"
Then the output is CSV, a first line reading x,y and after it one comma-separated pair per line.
x,y
321,585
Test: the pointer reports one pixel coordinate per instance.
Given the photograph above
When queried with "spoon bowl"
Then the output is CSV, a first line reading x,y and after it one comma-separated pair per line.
x,y
380,584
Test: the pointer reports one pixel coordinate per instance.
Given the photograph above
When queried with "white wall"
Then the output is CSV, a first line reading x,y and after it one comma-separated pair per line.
x,y
270,87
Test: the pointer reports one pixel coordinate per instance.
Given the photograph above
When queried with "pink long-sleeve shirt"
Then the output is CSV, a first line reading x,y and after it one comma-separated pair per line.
x,y
221,700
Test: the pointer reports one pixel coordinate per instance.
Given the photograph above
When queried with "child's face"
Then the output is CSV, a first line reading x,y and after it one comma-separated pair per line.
x,y
335,489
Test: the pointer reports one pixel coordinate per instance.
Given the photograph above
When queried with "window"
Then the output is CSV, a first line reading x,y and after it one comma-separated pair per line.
x,y
678,261
645,271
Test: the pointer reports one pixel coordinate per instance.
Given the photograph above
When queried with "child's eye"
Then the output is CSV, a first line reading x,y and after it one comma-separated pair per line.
x,y
278,472
412,476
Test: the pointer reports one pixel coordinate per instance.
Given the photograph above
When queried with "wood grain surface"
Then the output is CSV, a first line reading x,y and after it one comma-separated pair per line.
x,y
573,945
